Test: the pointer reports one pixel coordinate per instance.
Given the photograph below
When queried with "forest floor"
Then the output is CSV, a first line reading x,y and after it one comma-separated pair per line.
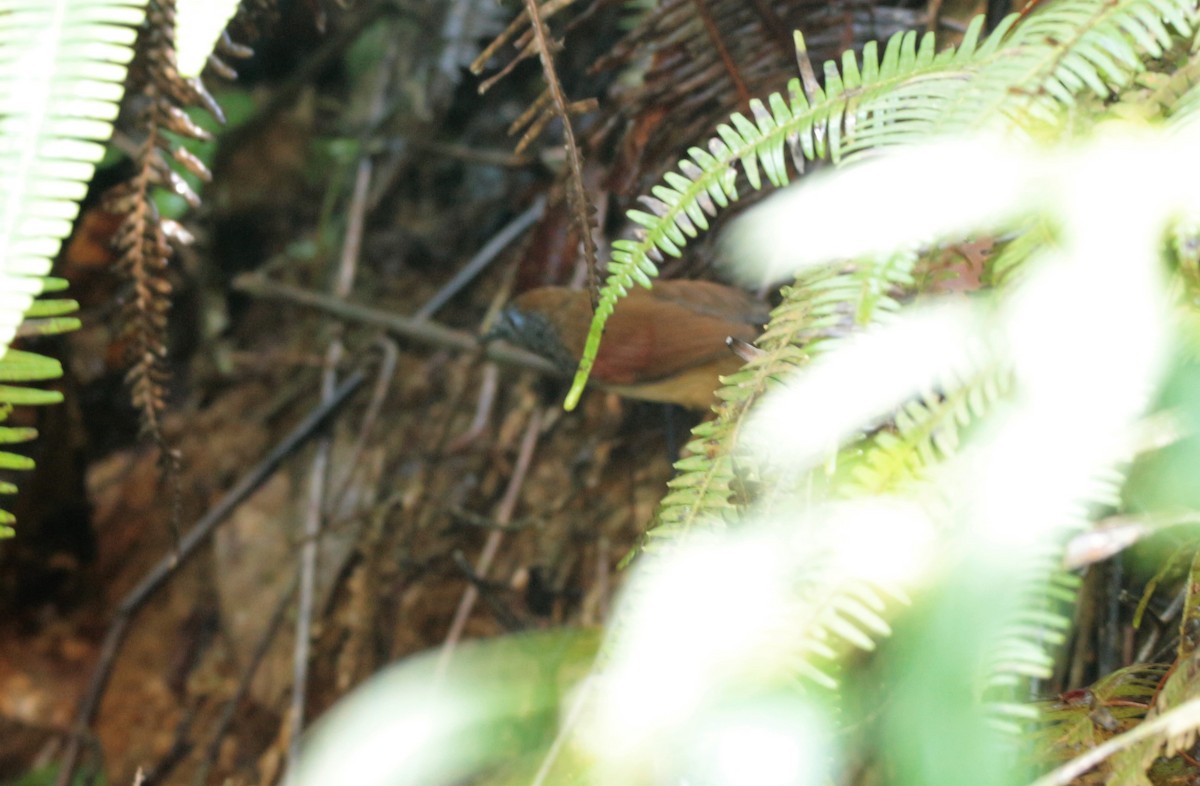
x,y
441,457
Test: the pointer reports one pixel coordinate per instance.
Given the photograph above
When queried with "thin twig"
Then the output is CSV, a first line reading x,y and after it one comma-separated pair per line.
x,y
180,748
420,330
309,551
933,16
383,383
319,477
136,597
274,623
595,604
483,408
471,519
504,515
471,153
581,206
1147,652
488,590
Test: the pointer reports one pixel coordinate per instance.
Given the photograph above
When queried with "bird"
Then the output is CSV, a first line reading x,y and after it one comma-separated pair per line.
x,y
666,344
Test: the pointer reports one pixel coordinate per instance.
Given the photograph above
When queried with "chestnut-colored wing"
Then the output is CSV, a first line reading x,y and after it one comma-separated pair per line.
x,y
715,300
654,335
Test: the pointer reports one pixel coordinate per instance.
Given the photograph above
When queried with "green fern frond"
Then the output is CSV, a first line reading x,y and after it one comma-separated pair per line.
x,y
811,122
820,310
1025,651
1184,107
1030,639
49,316
14,436
1159,91
62,71
831,608
1020,75
59,100
12,461
912,108
925,432
1009,258
847,613
1061,51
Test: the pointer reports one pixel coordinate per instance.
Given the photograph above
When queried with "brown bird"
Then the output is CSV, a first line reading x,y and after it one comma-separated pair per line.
x,y
665,344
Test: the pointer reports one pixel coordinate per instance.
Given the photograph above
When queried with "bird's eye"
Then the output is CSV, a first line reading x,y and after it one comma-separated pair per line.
x,y
510,324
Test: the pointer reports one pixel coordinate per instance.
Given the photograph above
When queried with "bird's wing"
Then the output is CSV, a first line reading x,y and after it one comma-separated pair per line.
x,y
647,340
715,300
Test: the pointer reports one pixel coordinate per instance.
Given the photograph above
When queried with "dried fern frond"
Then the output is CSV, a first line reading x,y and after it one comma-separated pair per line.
x,y
683,69
520,31
143,241
552,104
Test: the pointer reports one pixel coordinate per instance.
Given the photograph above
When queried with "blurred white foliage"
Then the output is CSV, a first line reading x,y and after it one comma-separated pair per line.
x,y
1083,333
198,28
723,612
401,727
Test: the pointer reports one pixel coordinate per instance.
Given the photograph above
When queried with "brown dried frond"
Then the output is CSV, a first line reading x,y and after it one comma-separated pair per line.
x,y
160,94
143,257
553,103
156,99
698,61
535,119
520,32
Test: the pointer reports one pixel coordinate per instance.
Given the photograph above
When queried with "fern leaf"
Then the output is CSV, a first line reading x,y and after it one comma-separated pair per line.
x,y
1157,735
811,122
1062,50
821,309
1031,637
58,99
925,432
1185,105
